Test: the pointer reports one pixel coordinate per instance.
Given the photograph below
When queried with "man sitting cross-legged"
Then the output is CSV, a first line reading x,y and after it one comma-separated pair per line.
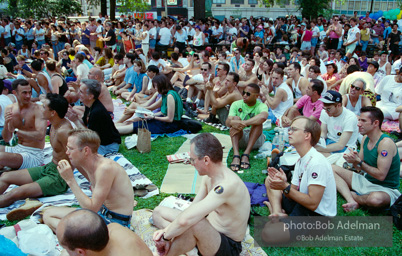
x,y
219,104
112,192
378,158
44,180
216,221
83,232
245,113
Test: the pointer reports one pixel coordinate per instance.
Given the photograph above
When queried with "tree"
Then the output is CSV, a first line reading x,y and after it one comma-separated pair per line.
x,y
42,8
199,9
127,6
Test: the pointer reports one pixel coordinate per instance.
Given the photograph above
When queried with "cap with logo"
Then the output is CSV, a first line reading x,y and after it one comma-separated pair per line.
x,y
331,97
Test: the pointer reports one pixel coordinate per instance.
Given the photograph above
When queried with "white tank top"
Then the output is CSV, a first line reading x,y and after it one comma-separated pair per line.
x,y
284,105
381,70
357,107
296,89
146,39
197,39
25,54
49,81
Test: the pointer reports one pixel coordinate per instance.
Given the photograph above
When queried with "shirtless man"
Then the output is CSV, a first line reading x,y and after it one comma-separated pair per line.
x,y
219,103
218,85
222,197
295,81
43,180
112,193
23,119
179,78
247,76
83,232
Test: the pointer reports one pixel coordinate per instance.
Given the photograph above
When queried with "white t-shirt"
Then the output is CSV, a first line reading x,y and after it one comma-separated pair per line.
x,y
39,34
156,63
7,29
283,105
391,95
352,34
152,32
345,122
165,36
396,66
82,71
316,30
314,169
99,29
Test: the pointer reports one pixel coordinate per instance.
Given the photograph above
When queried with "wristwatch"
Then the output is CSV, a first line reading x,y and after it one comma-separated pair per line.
x,y
360,164
16,130
287,189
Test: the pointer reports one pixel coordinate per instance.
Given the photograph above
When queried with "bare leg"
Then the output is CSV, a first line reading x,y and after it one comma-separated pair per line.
x,y
11,160
27,190
125,129
343,179
191,90
235,143
162,216
373,200
275,200
18,178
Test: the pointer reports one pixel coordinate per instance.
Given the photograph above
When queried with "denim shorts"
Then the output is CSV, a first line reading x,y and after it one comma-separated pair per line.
x,y
113,217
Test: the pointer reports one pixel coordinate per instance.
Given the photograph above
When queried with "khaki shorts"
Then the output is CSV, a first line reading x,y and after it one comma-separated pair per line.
x,y
362,186
244,140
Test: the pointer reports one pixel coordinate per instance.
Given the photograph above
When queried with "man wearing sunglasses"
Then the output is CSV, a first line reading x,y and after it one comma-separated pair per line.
x,y
338,125
355,100
246,113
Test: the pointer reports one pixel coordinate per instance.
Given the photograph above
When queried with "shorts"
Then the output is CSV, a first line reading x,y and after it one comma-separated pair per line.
x,y
246,135
314,41
305,46
351,48
112,217
152,43
223,114
31,157
228,246
363,187
295,209
49,179
93,43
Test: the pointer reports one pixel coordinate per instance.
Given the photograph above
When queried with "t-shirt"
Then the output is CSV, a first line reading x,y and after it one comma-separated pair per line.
x,y
244,111
112,40
310,108
165,36
345,122
83,71
129,77
352,34
156,63
391,95
314,169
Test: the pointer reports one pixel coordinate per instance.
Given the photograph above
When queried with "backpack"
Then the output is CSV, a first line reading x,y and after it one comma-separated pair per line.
x,y
190,125
287,169
396,212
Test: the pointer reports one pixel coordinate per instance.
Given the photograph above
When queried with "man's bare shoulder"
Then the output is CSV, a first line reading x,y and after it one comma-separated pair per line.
x,y
125,242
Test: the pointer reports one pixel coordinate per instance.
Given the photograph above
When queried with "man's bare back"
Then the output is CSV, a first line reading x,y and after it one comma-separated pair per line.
x,y
58,140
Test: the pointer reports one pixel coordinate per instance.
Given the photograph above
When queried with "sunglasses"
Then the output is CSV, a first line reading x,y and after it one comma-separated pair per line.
x,y
247,93
218,69
204,69
237,53
355,87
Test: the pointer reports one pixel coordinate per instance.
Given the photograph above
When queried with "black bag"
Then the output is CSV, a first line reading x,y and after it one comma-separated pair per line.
x,y
396,212
287,169
190,125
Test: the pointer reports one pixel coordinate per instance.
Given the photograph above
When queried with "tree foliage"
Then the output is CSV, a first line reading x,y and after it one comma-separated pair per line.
x,y
126,6
42,8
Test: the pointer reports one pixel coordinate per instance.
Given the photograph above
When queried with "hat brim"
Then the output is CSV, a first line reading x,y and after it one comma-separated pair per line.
x,y
326,101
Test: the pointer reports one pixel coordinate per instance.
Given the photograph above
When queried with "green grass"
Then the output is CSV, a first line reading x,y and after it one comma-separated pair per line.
x,y
154,166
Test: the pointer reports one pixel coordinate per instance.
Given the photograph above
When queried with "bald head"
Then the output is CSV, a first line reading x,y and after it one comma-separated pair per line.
x,y
83,229
96,73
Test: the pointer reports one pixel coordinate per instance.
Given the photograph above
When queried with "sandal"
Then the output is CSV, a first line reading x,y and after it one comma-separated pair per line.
x,y
235,167
245,165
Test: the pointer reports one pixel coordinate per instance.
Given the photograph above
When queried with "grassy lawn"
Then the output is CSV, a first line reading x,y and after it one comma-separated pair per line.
x,y
154,166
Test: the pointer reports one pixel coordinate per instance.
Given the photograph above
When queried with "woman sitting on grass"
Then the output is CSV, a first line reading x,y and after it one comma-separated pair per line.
x,y
168,119
106,61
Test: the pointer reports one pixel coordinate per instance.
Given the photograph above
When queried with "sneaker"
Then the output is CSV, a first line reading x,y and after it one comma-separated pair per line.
x,y
212,120
24,210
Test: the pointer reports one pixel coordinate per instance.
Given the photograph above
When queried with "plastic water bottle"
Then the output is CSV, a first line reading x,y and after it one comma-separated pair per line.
x,y
275,141
281,142
262,155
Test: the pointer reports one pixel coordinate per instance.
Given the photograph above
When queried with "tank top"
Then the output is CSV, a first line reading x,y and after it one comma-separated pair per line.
x,y
49,81
357,107
146,39
128,45
381,70
64,87
284,105
332,34
25,54
296,89
370,158
178,104
307,36
197,39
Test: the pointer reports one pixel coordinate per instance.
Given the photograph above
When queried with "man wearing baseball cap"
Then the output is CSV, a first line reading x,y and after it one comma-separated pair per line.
x,y
338,125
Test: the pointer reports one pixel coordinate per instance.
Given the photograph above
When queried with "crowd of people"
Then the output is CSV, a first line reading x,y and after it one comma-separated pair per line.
x,y
315,78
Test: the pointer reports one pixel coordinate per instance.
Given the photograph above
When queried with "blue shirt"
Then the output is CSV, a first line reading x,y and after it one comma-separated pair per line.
x,y
137,80
84,39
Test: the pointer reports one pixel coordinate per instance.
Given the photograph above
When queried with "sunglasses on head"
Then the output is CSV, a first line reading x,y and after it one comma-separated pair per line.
x,y
355,87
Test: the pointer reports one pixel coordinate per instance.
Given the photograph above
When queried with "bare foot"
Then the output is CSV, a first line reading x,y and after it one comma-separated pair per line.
x,y
201,111
349,207
276,214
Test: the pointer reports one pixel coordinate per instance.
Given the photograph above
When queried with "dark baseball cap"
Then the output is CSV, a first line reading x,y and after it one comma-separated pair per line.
x,y
331,97
374,63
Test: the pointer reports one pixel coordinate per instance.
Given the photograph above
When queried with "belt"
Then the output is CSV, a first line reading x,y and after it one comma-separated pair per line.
x,y
145,43
110,214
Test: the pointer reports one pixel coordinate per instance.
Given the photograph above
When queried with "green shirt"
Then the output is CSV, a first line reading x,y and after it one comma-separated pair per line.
x,y
178,105
370,158
244,111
